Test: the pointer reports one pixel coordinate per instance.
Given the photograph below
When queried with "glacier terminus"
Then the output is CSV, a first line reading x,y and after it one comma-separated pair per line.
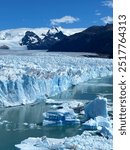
x,y
30,79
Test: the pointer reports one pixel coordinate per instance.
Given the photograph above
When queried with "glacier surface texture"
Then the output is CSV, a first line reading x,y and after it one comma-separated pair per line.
x,y
28,79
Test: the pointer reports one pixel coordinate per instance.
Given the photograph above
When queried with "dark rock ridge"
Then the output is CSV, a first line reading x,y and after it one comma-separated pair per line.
x,y
53,36
96,39
31,40
4,47
34,42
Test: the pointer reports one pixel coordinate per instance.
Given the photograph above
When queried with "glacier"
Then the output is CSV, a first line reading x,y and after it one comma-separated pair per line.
x,y
30,79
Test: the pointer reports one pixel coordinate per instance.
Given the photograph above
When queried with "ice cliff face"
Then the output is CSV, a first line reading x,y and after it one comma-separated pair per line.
x,y
27,79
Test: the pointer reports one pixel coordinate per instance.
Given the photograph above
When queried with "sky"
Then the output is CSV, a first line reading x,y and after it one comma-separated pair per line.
x,y
47,13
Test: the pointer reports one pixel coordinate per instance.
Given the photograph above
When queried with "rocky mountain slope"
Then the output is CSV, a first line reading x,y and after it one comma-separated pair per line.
x,y
95,39
34,42
98,39
12,38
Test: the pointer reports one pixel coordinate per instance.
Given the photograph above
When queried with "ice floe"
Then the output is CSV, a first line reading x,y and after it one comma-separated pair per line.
x,y
80,142
63,115
98,122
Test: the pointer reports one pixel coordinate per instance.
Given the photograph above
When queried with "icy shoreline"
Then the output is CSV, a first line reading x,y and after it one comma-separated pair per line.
x,y
86,141
28,79
99,138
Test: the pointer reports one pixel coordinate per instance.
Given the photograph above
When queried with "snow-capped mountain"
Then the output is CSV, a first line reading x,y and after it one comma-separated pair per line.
x,y
34,42
53,35
31,40
95,39
11,38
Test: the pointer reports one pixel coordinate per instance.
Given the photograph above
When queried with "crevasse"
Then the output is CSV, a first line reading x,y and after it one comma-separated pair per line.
x,y
28,79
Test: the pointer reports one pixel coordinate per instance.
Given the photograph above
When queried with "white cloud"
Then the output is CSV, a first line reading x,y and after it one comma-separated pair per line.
x,y
107,19
98,14
108,3
65,19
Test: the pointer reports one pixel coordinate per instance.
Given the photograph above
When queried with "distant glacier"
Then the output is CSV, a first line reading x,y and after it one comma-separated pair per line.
x,y
29,79
11,38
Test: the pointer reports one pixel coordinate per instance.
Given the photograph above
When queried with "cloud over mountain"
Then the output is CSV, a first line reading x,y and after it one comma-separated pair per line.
x,y
65,19
107,19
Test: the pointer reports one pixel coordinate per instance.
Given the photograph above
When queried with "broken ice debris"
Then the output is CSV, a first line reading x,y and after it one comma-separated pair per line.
x,y
65,115
98,107
97,118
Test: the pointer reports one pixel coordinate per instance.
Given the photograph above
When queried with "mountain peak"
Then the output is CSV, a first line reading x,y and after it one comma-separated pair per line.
x,y
53,30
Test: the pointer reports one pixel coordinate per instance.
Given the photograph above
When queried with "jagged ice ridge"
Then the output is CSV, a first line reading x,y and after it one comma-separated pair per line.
x,y
28,79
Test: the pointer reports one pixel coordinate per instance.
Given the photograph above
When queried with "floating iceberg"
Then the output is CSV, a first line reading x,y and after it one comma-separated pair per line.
x,y
97,118
85,141
53,102
63,116
98,107
103,122
60,118
90,125
106,132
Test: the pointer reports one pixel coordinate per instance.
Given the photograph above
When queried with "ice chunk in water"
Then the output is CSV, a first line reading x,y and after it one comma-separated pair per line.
x,y
98,107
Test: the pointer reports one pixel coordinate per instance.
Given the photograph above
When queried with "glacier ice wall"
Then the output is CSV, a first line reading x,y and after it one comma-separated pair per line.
x,y
27,79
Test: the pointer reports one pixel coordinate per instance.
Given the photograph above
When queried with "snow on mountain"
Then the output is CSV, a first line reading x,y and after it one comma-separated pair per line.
x,y
17,34
34,42
12,37
28,79
95,39
53,30
31,40
54,34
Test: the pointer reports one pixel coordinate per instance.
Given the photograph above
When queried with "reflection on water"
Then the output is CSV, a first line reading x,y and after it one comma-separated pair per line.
x,y
19,123
89,90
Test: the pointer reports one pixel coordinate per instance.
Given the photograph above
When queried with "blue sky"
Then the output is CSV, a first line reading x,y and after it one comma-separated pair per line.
x,y
45,13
